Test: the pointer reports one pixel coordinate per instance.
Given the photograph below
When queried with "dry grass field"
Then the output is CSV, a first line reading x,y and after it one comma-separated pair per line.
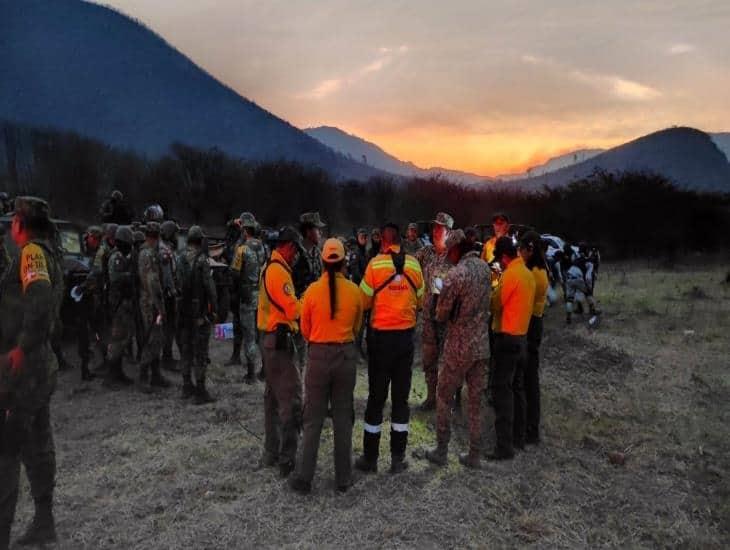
x,y
652,382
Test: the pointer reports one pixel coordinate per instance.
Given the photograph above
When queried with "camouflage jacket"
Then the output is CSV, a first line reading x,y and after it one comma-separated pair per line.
x,y
197,286
168,268
100,266
258,249
122,278
411,247
30,302
464,305
150,280
245,270
307,269
434,266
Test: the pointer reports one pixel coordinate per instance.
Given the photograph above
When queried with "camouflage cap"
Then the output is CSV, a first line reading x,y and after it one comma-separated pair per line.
x,y
168,229
413,226
31,208
312,218
195,233
456,237
288,234
117,195
110,230
362,231
248,220
375,232
124,234
138,236
95,231
152,228
442,218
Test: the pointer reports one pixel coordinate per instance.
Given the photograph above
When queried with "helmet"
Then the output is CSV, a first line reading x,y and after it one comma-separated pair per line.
x,y
95,231
138,236
4,196
248,220
195,233
124,234
168,230
117,195
110,230
153,213
32,208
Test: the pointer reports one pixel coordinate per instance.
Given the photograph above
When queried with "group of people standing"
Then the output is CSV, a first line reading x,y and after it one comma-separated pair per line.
x,y
300,311
481,310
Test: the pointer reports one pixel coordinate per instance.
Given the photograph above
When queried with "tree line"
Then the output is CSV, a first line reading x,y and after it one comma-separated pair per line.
x,y
628,215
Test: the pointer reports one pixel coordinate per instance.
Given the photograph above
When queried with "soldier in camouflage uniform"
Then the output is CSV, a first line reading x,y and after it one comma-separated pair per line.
x,y
435,266
248,258
412,243
88,308
170,289
464,306
308,267
152,307
197,313
123,301
30,302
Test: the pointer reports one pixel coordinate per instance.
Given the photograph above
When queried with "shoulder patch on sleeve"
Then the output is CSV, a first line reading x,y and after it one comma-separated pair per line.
x,y
33,266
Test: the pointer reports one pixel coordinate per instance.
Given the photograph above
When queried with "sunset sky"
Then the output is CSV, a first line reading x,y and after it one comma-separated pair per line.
x,y
485,86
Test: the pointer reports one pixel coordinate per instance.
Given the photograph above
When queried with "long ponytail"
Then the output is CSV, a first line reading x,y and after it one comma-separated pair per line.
x,y
332,270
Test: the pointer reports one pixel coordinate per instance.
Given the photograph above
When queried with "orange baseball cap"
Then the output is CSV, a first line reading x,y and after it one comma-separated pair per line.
x,y
333,251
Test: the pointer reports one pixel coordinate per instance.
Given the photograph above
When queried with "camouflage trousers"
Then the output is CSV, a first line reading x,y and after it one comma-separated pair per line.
x,y
247,315
432,342
122,331
153,336
25,437
171,328
195,337
451,377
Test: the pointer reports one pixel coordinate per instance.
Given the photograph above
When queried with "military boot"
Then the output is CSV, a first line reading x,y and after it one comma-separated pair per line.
x,y
235,358
250,377
86,374
144,374
261,374
43,528
156,378
368,462
438,455
470,459
202,397
188,390
398,443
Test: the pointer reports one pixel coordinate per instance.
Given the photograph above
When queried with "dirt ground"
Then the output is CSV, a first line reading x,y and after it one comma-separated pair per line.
x,y
653,382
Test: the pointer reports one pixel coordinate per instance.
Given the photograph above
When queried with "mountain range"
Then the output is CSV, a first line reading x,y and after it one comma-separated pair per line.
x,y
86,68
78,66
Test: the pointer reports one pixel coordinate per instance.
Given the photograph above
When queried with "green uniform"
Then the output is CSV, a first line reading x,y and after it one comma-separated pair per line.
x,y
198,295
121,299
152,307
30,302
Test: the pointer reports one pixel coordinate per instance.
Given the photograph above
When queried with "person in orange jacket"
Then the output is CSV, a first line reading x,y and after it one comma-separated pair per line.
x,y
511,306
276,316
393,290
331,318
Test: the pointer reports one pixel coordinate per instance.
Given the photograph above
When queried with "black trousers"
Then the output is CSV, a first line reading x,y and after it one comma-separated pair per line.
x,y
532,378
390,362
508,391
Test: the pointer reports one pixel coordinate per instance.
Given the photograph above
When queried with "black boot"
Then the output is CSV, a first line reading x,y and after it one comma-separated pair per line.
x,y
398,443
250,377
235,358
43,528
86,374
169,363
438,455
188,390
261,374
202,397
368,462
156,378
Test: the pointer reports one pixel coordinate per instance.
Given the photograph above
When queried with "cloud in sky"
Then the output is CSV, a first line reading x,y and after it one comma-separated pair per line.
x,y
329,86
482,86
681,49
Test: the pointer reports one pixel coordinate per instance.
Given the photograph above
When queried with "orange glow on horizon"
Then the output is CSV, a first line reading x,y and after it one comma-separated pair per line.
x,y
488,155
